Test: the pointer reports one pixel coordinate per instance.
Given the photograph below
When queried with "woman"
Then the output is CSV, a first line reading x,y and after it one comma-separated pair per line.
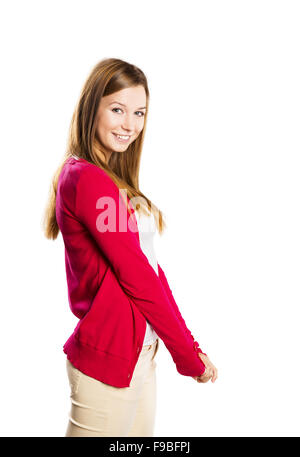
x,y
116,287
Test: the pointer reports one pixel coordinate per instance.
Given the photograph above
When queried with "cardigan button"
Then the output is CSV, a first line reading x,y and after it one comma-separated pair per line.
x,y
129,375
138,350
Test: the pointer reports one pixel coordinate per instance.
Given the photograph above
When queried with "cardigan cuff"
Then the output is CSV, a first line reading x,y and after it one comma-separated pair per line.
x,y
197,349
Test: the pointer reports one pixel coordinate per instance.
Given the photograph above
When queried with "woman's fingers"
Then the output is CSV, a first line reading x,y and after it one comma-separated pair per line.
x,y
210,370
205,377
215,375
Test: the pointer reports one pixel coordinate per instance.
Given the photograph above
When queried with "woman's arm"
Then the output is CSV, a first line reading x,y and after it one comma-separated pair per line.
x,y
97,202
168,290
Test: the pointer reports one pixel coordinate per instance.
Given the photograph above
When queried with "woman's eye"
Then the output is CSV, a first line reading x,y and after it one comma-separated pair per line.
x,y
141,112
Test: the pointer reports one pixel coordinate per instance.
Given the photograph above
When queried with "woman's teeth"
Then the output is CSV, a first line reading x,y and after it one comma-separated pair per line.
x,y
122,138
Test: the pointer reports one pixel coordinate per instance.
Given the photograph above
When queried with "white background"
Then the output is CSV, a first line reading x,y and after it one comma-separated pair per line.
x,y
221,160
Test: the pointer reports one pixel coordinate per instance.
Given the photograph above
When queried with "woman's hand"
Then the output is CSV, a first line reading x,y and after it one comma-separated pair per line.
x,y
210,370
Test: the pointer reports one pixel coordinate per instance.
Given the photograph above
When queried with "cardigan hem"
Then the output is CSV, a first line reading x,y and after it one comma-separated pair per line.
x,y
104,367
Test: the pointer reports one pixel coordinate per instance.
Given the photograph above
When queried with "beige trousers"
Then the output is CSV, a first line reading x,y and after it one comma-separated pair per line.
x,y
99,409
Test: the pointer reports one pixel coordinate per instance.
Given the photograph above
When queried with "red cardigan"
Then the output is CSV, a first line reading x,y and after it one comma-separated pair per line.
x,y
112,288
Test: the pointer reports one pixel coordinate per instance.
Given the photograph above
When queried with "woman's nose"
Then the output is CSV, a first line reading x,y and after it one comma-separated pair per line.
x,y
128,123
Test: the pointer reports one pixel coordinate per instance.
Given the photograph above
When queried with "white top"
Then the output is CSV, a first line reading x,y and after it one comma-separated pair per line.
x,y
147,229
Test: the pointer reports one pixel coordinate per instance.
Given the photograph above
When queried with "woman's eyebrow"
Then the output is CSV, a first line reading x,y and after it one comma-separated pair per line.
x,y
124,105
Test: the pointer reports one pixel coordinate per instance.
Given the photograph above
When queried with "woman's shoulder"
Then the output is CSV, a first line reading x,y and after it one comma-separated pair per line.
x,y
81,176
79,168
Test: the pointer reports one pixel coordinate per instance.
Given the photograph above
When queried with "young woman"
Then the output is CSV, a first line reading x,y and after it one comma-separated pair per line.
x,y
116,287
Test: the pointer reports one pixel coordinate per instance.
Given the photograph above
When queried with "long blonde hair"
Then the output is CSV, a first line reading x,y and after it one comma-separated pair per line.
x,y
108,76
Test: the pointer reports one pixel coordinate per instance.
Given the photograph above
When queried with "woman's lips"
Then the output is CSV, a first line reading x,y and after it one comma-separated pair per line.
x,y
121,140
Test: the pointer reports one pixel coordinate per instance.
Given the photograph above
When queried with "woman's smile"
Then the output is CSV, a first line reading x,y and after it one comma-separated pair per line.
x,y
121,138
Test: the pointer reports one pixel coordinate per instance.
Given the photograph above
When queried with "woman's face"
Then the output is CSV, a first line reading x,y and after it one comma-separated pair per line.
x,y
121,113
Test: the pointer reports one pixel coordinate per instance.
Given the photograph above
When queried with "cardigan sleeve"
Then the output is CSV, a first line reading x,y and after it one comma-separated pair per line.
x,y
168,290
100,207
